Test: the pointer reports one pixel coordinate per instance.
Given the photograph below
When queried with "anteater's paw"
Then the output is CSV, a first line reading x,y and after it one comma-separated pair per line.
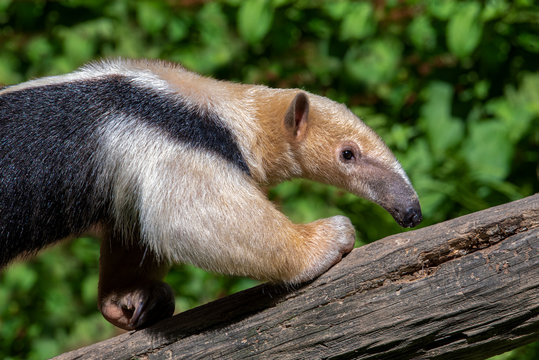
x,y
345,235
330,240
139,307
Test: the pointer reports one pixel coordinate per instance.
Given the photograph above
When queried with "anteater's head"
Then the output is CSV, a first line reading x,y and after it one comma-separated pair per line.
x,y
334,146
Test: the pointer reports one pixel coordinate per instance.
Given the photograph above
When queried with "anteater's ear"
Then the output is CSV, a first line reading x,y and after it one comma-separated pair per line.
x,y
297,115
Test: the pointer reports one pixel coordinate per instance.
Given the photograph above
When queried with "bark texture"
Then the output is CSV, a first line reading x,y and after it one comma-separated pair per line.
x,y
467,288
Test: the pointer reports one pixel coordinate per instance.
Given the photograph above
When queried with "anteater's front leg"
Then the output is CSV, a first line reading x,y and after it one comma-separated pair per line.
x,y
323,244
238,231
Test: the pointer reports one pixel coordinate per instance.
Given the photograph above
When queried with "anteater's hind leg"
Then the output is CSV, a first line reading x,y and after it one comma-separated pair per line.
x,y
132,294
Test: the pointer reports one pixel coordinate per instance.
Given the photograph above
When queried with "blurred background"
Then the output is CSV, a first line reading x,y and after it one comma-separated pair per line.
x,y
451,86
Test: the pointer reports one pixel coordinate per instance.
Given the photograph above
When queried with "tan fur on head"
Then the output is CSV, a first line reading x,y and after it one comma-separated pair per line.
x,y
313,148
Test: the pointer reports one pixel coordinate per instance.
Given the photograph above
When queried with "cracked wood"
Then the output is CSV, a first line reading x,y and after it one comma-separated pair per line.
x,y
467,288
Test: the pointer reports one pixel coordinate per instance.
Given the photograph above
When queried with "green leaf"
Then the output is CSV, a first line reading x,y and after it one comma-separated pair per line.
x,y
336,9
78,48
464,29
38,48
212,24
529,92
431,194
443,130
8,69
441,9
517,109
132,44
151,16
488,150
86,249
322,29
374,62
358,22
529,42
44,348
422,33
400,136
481,89
254,20
177,29
89,329
4,4
494,9
417,160
322,64
516,119
286,189
89,288
21,277
205,59
278,3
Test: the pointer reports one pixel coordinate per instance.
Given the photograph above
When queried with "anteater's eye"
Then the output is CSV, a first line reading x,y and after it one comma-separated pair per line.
x,y
348,155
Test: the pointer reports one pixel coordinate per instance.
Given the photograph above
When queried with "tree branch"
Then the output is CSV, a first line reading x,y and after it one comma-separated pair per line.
x,y
462,289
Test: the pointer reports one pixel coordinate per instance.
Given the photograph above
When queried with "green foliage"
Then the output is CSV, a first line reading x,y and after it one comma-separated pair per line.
x,y
48,304
358,21
254,20
464,29
451,86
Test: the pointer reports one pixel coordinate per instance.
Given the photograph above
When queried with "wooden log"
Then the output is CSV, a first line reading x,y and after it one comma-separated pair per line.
x,y
467,288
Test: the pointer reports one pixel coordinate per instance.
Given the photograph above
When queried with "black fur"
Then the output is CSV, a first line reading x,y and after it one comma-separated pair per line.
x,y
48,136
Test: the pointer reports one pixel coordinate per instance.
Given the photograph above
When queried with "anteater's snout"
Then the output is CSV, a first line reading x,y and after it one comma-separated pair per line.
x,y
393,191
408,216
412,216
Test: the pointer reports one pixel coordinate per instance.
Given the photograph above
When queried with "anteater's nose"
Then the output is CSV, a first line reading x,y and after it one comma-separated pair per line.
x,y
412,216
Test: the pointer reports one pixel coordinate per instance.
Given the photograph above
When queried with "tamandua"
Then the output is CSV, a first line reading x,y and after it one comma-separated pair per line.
x,y
167,166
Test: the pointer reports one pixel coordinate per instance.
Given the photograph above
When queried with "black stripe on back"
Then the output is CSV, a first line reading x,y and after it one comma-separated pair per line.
x,y
192,126
48,138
